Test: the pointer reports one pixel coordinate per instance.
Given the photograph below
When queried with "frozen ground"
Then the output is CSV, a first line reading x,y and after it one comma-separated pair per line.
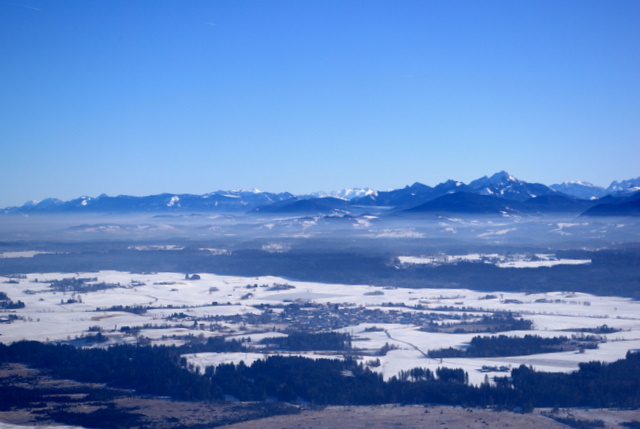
x,y
179,308
21,254
10,426
502,261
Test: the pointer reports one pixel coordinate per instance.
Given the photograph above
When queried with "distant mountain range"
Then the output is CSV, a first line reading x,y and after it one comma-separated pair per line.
x,y
499,193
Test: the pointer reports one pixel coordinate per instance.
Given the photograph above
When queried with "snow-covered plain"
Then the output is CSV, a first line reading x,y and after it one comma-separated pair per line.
x,y
11,426
22,254
179,307
501,261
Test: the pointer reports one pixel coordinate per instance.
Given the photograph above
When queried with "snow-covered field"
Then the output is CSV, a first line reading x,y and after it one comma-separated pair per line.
x,y
502,261
11,426
22,254
178,307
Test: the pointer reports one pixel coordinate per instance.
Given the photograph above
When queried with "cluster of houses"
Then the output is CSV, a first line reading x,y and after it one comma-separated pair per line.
x,y
315,317
489,368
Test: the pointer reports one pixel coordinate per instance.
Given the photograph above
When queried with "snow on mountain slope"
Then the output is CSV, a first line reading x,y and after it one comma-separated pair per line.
x,y
504,185
625,186
501,185
346,194
579,189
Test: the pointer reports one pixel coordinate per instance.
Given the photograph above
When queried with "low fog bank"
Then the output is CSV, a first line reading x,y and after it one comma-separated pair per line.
x,y
484,253
373,232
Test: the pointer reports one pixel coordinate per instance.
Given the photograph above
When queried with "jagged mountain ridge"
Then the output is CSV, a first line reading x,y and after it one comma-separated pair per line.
x,y
232,201
409,196
625,186
507,194
504,185
586,190
582,190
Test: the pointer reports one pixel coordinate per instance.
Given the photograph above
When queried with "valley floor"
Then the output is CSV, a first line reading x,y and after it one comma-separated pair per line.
x,y
420,417
168,308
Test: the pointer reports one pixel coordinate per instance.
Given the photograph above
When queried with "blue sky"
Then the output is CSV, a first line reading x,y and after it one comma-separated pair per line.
x,y
143,97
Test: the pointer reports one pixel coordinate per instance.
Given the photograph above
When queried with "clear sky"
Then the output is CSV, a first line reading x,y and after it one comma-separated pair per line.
x,y
150,96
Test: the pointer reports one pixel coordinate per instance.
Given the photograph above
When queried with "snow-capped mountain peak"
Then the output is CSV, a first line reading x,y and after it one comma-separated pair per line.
x,y
498,179
626,186
501,185
346,194
501,177
580,189
504,185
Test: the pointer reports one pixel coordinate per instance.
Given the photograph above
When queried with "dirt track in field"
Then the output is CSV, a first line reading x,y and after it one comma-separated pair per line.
x,y
401,417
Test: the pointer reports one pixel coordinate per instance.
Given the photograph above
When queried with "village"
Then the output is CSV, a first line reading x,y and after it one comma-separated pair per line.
x,y
400,326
